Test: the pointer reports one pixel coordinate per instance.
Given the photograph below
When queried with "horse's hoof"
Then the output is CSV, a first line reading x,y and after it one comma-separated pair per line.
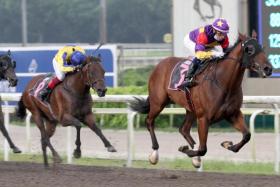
x,y
16,150
153,158
227,144
183,149
46,166
77,154
111,149
57,159
196,162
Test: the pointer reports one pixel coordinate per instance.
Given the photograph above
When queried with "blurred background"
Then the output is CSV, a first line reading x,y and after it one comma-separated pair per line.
x,y
143,31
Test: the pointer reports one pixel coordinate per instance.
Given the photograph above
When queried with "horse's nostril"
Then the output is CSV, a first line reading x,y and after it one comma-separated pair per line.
x,y
268,71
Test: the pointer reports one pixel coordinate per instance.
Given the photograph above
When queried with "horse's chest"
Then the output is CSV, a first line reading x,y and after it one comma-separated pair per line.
x,y
81,108
227,109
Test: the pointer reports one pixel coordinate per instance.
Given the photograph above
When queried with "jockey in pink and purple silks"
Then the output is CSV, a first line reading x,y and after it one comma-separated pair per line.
x,y
202,41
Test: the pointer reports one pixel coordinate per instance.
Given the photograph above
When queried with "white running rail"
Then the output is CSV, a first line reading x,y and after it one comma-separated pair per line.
x,y
271,100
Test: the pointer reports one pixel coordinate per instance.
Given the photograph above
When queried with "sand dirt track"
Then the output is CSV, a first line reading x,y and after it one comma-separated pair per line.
x,y
15,174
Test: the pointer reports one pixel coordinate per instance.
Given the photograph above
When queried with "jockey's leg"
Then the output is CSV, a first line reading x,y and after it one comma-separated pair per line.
x,y
51,85
189,82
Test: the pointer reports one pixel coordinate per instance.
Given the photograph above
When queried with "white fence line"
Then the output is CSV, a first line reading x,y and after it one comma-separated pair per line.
x,y
271,100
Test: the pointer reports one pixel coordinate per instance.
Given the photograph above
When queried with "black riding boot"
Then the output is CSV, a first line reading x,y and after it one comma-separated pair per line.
x,y
189,82
45,93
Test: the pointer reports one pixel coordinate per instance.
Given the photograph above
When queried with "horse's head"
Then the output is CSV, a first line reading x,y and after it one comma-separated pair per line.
x,y
7,69
254,57
94,75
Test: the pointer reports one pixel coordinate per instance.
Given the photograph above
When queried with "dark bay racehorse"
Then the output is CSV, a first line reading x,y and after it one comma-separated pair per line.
x,y
217,96
7,72
70,104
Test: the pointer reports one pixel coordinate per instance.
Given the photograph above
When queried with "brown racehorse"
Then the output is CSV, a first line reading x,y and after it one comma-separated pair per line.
x,y
217,96
7,72
70,104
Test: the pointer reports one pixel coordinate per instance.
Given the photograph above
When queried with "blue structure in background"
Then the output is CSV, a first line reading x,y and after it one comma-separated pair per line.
x,y
35,60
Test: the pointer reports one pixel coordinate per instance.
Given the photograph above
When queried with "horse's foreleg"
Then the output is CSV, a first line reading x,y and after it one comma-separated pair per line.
x,y
50,130
238,123
69,120
202,126
6,135
185,129
90,122
77,152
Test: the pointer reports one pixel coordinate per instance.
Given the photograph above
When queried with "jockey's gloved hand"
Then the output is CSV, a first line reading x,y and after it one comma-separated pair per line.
x,y
217,53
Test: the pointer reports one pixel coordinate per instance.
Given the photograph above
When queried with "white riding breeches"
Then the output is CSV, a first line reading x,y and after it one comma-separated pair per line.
x,y
59,74
189,45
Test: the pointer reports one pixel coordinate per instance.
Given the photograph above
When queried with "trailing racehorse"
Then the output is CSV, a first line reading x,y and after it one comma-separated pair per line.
x,y
218,95
7,72
70,104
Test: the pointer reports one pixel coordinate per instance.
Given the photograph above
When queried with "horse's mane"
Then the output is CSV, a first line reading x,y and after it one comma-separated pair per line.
x,y
232,47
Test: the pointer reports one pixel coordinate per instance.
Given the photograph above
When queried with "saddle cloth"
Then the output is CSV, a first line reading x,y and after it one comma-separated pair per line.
x,y
178,73
41,84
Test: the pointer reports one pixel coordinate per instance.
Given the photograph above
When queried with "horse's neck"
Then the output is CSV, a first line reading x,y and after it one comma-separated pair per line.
x,y
231,74
75,84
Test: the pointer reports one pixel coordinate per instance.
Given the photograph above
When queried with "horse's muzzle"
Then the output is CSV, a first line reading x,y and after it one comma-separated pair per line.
x,y
12,82
267,70
101,92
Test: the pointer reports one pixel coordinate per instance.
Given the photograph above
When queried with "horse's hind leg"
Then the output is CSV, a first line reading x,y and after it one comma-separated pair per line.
x,y
239,124
155,109
44,138
77,152
5,133
90,122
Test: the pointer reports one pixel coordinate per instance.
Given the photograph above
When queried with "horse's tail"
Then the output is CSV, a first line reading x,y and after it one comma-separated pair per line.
x,y
21,109
140,105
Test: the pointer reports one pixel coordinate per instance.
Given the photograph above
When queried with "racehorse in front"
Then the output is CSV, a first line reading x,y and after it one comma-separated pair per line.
x,y
70,104
217,96
7,72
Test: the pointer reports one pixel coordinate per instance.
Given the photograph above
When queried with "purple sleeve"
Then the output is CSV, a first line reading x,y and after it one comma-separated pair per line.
x,y
199,47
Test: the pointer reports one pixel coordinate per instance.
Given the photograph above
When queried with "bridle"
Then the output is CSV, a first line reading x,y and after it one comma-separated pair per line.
x,y
90,80
250,49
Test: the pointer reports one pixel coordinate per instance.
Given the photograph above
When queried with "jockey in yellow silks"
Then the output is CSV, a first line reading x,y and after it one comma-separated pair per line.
x,y
65,60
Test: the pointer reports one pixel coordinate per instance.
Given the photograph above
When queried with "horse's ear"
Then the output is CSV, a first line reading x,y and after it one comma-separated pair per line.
x,y
254,34
9,52
242,37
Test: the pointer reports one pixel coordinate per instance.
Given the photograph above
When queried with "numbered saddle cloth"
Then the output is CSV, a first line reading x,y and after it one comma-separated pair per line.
x,y
41,84
178,74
